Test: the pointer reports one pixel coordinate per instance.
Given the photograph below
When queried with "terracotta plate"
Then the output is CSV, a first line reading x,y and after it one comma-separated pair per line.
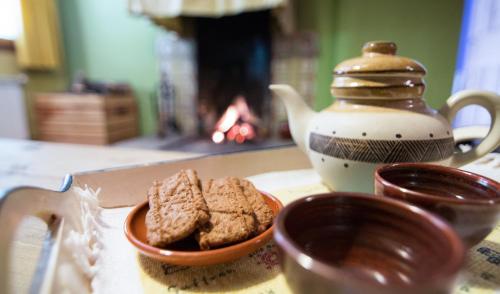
x,y
187,252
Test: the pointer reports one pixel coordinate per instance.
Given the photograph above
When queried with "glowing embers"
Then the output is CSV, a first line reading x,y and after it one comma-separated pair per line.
x,y
236,124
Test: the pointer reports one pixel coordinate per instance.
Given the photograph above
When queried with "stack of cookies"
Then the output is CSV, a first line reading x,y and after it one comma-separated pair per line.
x,y
218,212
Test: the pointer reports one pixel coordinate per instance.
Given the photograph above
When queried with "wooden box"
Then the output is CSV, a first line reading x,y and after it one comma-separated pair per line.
x,y
86,118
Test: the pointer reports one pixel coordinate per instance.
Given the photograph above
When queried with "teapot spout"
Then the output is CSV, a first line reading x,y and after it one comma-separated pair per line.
x,y
299,113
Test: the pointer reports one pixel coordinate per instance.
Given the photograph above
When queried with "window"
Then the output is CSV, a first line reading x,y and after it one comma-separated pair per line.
x,y
10,19
478,62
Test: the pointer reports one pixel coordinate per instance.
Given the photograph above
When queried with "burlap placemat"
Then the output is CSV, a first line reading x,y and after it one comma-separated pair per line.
x,y
482,273
259,272
125,271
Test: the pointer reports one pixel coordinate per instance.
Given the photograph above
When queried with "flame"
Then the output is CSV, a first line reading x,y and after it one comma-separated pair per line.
x,y
228,119
218,137
236,123
247,130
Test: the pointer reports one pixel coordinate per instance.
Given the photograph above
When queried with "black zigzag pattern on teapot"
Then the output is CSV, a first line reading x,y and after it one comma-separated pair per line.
x,y
382,151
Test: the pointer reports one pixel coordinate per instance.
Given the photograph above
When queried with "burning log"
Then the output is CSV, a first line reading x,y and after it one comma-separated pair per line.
x,y
237,124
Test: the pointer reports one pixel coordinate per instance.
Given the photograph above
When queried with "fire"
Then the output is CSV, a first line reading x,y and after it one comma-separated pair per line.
x,y
228,119
236,124
218,137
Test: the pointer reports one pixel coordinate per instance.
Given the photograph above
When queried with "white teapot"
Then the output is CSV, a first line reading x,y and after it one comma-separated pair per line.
x,y
379,117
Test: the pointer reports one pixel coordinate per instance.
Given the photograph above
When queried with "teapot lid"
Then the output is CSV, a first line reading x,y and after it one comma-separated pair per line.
x,y
379,74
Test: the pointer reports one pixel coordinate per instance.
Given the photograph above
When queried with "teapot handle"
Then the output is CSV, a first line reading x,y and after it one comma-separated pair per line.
x,y
491,102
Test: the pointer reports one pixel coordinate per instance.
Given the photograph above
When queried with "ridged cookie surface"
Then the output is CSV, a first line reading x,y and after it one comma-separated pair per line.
x,y
176,208
263,214
231,216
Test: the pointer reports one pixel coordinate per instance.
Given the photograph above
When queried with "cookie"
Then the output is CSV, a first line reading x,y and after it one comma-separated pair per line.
x,y
263,213
231,216
176,208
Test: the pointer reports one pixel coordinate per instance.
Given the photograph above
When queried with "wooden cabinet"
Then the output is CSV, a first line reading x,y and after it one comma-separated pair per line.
x,y
86,118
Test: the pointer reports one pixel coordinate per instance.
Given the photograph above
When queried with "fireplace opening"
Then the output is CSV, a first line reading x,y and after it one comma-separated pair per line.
x,y
234,66
214,79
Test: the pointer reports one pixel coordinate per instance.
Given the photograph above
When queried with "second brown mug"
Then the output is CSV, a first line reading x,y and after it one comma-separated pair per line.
x,y
469,202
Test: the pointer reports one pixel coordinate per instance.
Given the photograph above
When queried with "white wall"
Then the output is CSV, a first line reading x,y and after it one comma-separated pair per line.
x,y
13,116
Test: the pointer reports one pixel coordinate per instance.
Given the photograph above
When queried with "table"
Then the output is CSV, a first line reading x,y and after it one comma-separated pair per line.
x,y
44,165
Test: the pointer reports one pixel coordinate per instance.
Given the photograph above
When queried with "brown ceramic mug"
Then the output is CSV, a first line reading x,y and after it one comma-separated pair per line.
x,y
358,243
469,202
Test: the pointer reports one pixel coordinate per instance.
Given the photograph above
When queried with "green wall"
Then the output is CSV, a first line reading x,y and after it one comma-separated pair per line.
x,y
425,30
108,44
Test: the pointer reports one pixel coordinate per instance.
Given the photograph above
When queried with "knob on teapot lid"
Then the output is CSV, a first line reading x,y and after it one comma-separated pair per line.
x,y
380,47
379,74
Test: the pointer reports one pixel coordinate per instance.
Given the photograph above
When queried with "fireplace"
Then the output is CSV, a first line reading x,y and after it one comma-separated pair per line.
x,y
214,82
234,62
